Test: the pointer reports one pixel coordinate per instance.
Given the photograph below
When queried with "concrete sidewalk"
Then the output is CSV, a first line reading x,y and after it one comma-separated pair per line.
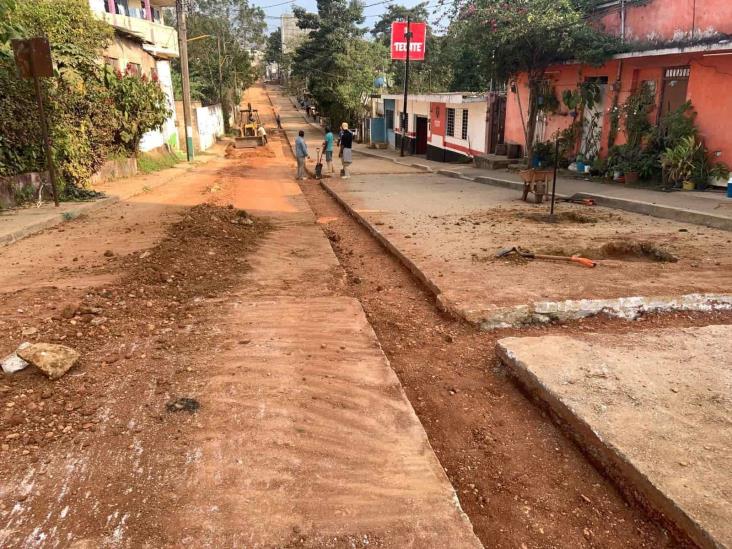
x,y
652,408
19,223
709,209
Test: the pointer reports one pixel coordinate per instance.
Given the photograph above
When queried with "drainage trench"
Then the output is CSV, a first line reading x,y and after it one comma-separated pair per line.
x,y
520,479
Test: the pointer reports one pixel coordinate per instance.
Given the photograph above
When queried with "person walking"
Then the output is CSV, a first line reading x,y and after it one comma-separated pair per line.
x,y
278,119
262,133
346,143
301,153
328,148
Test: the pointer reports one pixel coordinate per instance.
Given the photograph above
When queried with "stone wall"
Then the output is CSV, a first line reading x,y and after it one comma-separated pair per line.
x,y
15,190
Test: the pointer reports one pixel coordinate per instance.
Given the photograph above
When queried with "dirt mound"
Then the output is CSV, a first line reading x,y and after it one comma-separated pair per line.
x,y
563,217
132,334
622,249
254,152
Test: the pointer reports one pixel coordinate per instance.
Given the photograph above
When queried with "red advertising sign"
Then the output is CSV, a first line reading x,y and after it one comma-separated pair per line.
x,y
399,41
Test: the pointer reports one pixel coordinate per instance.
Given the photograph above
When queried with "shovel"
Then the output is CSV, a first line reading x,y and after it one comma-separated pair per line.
x,y
529,255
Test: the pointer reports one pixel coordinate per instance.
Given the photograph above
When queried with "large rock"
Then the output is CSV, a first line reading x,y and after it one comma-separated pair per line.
x,y
51,359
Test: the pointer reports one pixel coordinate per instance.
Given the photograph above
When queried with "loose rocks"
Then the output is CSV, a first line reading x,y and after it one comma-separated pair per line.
x,y
13,363
51,359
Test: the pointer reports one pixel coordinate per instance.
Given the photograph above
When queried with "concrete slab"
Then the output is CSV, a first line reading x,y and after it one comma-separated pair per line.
x,y
447,231
315,439
653,408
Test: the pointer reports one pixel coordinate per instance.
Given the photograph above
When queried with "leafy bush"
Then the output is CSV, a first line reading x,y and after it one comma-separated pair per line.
x,y
77,102
141,106
689,160
544,152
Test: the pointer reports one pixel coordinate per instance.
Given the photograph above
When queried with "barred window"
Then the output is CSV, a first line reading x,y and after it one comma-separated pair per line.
x,y
677,72
389,120
451,122
464,132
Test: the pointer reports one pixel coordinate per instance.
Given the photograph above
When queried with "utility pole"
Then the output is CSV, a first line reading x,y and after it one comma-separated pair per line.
x,y
405,123
180,12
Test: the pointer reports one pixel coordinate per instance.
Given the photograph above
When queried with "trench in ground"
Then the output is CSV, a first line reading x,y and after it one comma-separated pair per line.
x,y
520,479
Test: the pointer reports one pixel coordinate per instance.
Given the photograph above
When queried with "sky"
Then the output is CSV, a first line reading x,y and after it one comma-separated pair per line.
x,y
274,11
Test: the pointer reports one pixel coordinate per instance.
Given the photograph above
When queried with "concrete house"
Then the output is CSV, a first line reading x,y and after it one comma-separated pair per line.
x,y
681,49
143,44
447,127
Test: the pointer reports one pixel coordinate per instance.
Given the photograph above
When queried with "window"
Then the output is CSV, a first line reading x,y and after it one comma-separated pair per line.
x,y
451,122
677,72
122,7
389,120
464,129
134,69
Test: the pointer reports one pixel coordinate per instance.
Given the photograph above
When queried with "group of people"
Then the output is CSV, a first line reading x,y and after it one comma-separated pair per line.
x,y
345,150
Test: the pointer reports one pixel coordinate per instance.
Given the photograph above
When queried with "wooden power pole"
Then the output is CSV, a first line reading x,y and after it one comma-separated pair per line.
x,y
180,11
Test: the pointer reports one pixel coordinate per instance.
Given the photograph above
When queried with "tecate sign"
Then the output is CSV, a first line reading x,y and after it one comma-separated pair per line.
x,y
399,41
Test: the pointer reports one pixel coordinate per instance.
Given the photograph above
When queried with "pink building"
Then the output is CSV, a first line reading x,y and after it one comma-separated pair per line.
x,y
683,51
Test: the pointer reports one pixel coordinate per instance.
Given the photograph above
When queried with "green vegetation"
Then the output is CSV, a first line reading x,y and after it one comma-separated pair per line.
x,y
141,104
149,163
221,33
338,63
432,74
527,37
90,116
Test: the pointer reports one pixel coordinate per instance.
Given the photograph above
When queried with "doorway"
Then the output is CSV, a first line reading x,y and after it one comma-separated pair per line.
x,y
495,121
592,119
420,146
675,85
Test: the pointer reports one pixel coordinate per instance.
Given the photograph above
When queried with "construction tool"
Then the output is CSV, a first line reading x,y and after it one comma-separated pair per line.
x,y
581,201
319,165
529,255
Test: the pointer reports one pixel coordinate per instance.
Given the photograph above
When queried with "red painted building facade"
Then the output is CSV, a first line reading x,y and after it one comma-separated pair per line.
x,y
686,54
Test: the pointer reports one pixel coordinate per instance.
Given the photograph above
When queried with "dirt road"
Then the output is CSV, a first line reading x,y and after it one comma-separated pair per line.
x,y
243,342
229,394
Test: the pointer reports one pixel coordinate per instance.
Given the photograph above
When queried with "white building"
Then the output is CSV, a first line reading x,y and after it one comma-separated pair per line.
x,y
448,127
292,35
145,45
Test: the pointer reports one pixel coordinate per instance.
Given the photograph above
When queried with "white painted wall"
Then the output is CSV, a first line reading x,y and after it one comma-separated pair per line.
x,y
476,126
414,108
210,122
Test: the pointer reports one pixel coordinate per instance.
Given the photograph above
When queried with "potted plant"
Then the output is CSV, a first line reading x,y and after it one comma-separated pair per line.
x,y
681,161
580,163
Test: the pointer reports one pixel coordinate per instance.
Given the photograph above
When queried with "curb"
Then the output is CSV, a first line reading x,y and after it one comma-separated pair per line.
x,y
627,478
29,230
408,263
628,308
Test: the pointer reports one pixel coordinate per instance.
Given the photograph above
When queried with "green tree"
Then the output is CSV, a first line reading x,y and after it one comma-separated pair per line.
x,y
529,36
337,63
222,33
141,104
